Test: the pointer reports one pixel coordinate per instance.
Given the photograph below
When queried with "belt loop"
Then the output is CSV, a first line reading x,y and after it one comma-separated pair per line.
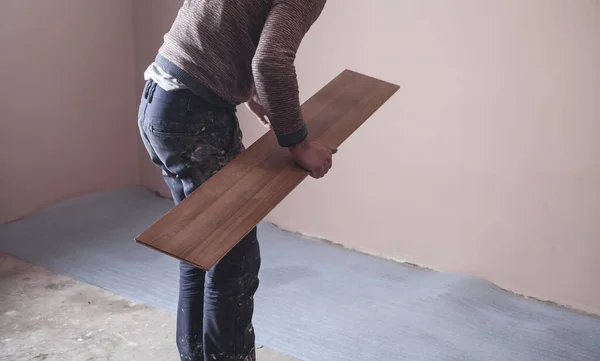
x,y
151,92
147,88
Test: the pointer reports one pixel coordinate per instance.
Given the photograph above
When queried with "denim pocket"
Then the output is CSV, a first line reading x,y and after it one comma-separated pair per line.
x,y
212,139
176,129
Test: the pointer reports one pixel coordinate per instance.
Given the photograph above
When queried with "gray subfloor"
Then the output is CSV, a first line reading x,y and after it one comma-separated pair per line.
x,y
51,317
316,302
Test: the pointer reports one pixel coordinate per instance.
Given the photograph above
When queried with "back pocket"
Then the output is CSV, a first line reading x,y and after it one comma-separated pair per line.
x,y
178,129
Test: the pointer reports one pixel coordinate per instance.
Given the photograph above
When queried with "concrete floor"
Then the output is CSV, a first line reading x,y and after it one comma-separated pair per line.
x,y
45,316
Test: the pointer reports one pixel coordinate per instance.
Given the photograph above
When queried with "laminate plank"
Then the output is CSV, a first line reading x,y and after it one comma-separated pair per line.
x,y
214,218
176,219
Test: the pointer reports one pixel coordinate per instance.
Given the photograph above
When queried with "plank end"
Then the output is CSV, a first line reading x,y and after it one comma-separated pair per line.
x,y
350,71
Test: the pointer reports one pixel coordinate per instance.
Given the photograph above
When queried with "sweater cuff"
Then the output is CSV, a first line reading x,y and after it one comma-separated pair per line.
x,y
291,139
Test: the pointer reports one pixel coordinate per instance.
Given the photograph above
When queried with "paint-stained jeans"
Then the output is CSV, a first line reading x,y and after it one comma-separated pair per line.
x,y
190,140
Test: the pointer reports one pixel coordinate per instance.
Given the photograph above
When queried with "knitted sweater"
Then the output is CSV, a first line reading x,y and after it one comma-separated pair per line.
x,y
224,50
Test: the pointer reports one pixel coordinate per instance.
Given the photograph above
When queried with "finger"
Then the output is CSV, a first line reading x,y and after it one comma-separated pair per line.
x,y
324,170
315,173
320,172
265,122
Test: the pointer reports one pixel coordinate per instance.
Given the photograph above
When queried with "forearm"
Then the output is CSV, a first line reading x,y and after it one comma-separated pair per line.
x,y
274,70
277,91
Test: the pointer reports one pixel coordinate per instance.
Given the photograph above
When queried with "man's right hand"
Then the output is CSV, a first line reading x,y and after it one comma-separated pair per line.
x,y
313,156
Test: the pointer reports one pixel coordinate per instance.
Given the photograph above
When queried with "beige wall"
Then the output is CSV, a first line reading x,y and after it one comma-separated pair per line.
x,y
68,114
488,159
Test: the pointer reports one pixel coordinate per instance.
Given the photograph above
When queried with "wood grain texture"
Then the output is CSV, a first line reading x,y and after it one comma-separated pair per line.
x,y
214,218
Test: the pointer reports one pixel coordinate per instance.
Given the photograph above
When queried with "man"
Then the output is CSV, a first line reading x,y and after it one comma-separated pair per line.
x,y
217,55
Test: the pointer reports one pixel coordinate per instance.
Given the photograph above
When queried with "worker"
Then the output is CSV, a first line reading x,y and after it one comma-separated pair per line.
x,y
219,54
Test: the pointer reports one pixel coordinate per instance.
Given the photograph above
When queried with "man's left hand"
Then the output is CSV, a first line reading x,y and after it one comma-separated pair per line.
x,y
255,107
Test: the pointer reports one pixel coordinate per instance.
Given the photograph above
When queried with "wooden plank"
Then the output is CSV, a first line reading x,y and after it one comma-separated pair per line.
x,y
214,218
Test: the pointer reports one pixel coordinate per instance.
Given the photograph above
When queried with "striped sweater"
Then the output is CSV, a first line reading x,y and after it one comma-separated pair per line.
x,y
224,50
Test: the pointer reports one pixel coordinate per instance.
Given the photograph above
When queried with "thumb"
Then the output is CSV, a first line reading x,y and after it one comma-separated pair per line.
x,y
265,121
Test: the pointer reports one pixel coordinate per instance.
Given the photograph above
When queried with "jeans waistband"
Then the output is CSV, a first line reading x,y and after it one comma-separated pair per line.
x,y
191,83
184,96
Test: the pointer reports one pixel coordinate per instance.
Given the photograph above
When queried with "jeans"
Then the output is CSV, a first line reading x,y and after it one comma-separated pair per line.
x,y
190,140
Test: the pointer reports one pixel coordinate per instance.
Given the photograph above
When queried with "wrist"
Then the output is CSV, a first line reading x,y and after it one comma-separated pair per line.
x,y
294,139
299,147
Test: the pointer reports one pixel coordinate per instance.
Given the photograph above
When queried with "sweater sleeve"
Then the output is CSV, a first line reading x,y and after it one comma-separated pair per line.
x,y
274,70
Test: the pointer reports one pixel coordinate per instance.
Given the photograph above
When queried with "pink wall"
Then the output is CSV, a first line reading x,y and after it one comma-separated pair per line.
x,y
68,106
488,159
486,162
